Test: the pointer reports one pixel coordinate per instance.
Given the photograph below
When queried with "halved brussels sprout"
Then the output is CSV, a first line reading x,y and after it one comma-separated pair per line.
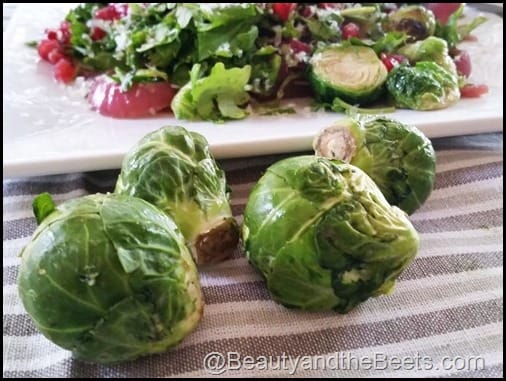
x,y
399,158
174,170
323,236
431,49
425,86
109,278
352,73
416,20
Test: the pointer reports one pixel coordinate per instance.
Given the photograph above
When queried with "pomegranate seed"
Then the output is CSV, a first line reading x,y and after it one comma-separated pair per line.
x,y
64,32
473,91
47,46
51,34
108,13
55,55
299,46
283,10
463,63
97,34
122,9
307,12
392,60
350,30
64,71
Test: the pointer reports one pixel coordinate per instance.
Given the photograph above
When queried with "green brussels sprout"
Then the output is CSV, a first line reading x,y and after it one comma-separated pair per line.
x,y
399,158
352,73
323,236
415,20
431,49
109,278
174,170
425,86
220,95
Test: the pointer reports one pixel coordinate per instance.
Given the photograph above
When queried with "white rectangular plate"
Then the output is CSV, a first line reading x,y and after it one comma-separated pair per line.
x,y
49,128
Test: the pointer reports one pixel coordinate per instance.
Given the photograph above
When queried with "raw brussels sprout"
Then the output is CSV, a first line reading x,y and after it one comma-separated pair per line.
x,y
352,73
323,236
431,49
109,278
416,20
174,170
399,158
425,86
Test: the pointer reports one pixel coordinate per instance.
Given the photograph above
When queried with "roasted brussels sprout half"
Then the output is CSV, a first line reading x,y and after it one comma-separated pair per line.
x,y
425,86
415,20
109,278
174,170
323,236
399,158
352,73
431,49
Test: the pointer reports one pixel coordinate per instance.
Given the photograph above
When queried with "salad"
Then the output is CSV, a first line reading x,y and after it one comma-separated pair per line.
x,y
223,61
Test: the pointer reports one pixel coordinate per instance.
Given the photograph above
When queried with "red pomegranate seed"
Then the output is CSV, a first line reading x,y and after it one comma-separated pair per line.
x,y
64,71
350,30
108,13
47,46
97,34
55,55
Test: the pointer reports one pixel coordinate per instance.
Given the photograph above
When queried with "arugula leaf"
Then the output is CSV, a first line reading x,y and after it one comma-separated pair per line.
x,y
388,43
454,33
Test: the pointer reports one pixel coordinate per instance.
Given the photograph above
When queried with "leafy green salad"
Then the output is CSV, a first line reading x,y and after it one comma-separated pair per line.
x,y
223,61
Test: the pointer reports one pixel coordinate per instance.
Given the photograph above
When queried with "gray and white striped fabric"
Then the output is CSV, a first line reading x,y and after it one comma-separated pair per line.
x,y
444,318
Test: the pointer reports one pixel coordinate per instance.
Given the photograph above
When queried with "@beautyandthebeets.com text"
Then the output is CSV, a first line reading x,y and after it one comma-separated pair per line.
x,y
217,363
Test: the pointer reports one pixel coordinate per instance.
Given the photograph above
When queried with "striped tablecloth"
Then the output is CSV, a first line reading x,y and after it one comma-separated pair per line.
x,y
444,318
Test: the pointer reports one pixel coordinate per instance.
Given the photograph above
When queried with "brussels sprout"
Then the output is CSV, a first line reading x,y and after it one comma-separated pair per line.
x,y
416,20
218,96
174,170
399,158
109,278
426,86
431,49
323,236
352,73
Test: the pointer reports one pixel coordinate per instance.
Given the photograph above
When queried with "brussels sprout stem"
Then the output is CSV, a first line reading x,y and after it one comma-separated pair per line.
x,y
216,244
336,142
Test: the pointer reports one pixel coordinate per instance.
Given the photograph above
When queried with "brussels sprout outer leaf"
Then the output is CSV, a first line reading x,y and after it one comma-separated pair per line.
x,y
323,236
431,49
220,95
109,278
43,205
174,170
